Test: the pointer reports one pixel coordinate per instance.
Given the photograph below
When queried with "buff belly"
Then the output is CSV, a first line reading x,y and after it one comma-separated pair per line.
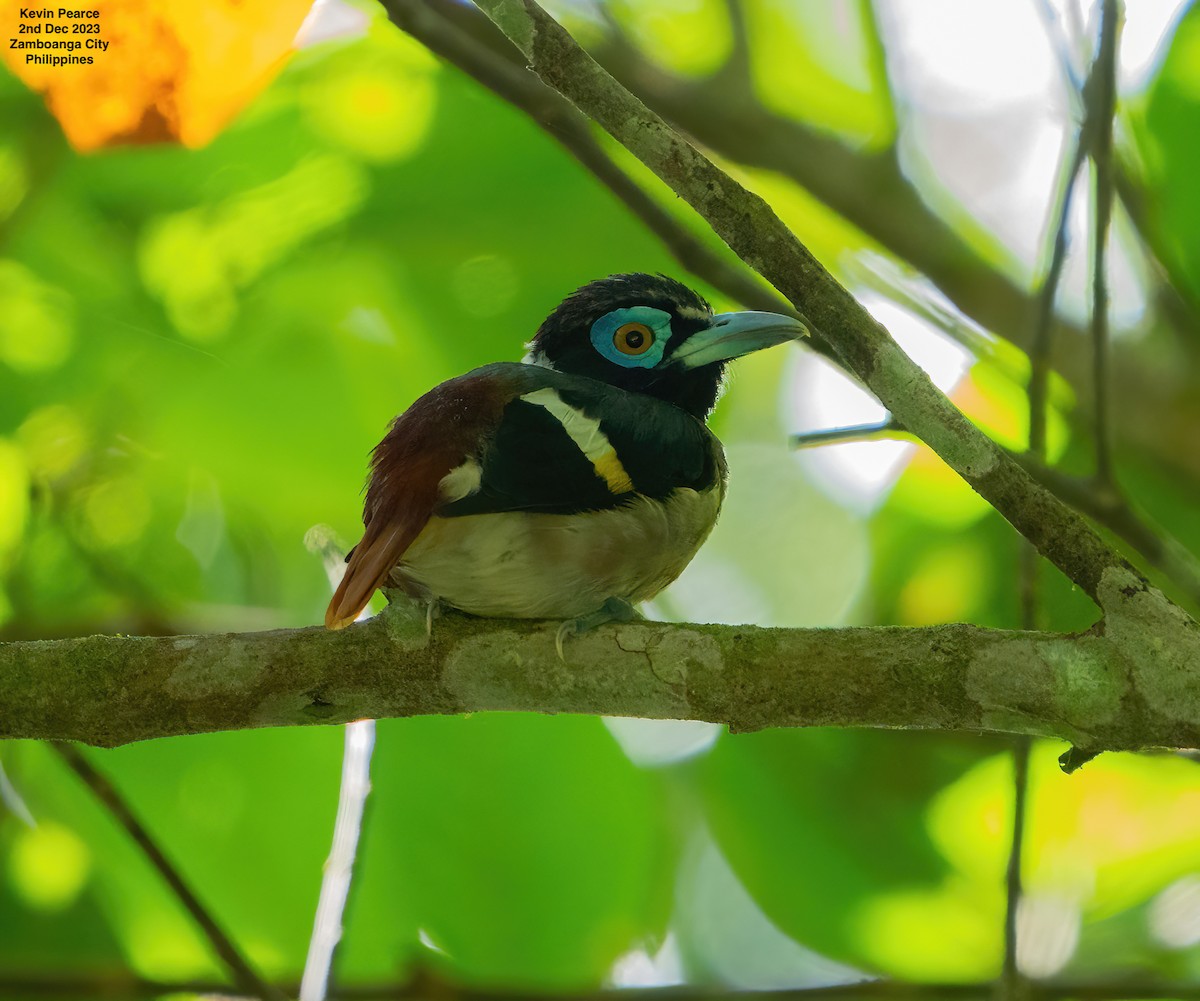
x,y
522,564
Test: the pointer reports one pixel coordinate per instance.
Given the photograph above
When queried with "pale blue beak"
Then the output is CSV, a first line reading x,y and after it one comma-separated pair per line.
x,y
732,335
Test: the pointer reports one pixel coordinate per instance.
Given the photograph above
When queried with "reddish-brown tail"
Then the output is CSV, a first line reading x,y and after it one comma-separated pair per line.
x,y
369,567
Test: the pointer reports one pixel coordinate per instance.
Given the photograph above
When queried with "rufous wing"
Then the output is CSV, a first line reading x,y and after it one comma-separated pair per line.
x,y
438,433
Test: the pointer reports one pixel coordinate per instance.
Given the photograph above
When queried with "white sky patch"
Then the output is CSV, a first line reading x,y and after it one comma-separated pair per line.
x,y
968,57
653,743
818,397
986,113
996,52
1148,25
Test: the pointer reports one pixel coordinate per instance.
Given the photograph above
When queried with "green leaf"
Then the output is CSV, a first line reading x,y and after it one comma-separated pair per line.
x,y
825,826
529,849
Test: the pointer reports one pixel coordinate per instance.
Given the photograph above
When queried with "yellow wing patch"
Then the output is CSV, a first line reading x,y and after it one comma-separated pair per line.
x,y
612,472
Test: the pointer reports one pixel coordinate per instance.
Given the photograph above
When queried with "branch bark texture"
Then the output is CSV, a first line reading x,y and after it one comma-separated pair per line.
x,y
110,690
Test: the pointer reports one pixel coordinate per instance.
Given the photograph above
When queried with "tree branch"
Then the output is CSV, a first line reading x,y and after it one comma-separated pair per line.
x,y
1012,985
1043,335
110,690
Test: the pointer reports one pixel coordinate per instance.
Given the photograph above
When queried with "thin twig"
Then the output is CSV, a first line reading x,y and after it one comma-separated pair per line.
x,y
1095,136
245,976
1101,98
737,68
355,787
1012,985
1011,982
888,429
335,884
1056,33
1043,337
1029,581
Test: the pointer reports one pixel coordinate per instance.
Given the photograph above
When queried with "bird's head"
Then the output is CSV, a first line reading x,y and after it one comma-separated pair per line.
x,y
650,334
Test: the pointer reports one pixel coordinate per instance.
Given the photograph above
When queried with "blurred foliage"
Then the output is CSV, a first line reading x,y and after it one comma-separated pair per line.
x,y
198,347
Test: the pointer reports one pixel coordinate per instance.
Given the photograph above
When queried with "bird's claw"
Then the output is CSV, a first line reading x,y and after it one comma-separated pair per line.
x,y
433,610
613,610
560,638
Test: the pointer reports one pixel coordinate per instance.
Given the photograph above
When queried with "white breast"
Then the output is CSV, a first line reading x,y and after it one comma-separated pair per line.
x,y
522,564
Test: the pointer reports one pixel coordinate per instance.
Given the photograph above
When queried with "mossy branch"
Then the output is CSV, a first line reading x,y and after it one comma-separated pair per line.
x,y
110,690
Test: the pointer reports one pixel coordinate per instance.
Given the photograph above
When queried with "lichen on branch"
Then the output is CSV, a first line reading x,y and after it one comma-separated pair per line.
x,y
110,690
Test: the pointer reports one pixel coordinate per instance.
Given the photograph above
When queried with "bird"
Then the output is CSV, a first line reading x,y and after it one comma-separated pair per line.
x,y
572,485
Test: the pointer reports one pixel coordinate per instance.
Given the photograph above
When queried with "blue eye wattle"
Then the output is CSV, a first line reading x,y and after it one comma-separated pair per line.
x,y
634,337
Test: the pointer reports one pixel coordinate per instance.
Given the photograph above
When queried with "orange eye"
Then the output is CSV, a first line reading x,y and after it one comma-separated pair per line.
x,y
633,338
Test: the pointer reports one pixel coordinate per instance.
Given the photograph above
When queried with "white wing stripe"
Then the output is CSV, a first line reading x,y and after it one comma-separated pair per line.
x,y
585,432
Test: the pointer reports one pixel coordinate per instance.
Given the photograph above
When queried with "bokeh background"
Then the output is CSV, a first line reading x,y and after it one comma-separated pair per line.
x,y
201,340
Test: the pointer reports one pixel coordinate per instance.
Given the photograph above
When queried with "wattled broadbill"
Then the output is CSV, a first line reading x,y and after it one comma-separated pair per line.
x,y
584,478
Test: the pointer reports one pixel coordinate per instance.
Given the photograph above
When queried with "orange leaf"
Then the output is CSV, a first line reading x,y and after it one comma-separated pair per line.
x,y
155,70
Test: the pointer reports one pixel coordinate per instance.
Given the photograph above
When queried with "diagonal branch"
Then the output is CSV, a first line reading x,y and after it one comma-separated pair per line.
x,y
756,234
1043,335
110,690
247,979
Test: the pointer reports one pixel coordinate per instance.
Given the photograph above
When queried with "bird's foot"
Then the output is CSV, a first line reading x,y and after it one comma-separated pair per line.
x,y
613,610
416,614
